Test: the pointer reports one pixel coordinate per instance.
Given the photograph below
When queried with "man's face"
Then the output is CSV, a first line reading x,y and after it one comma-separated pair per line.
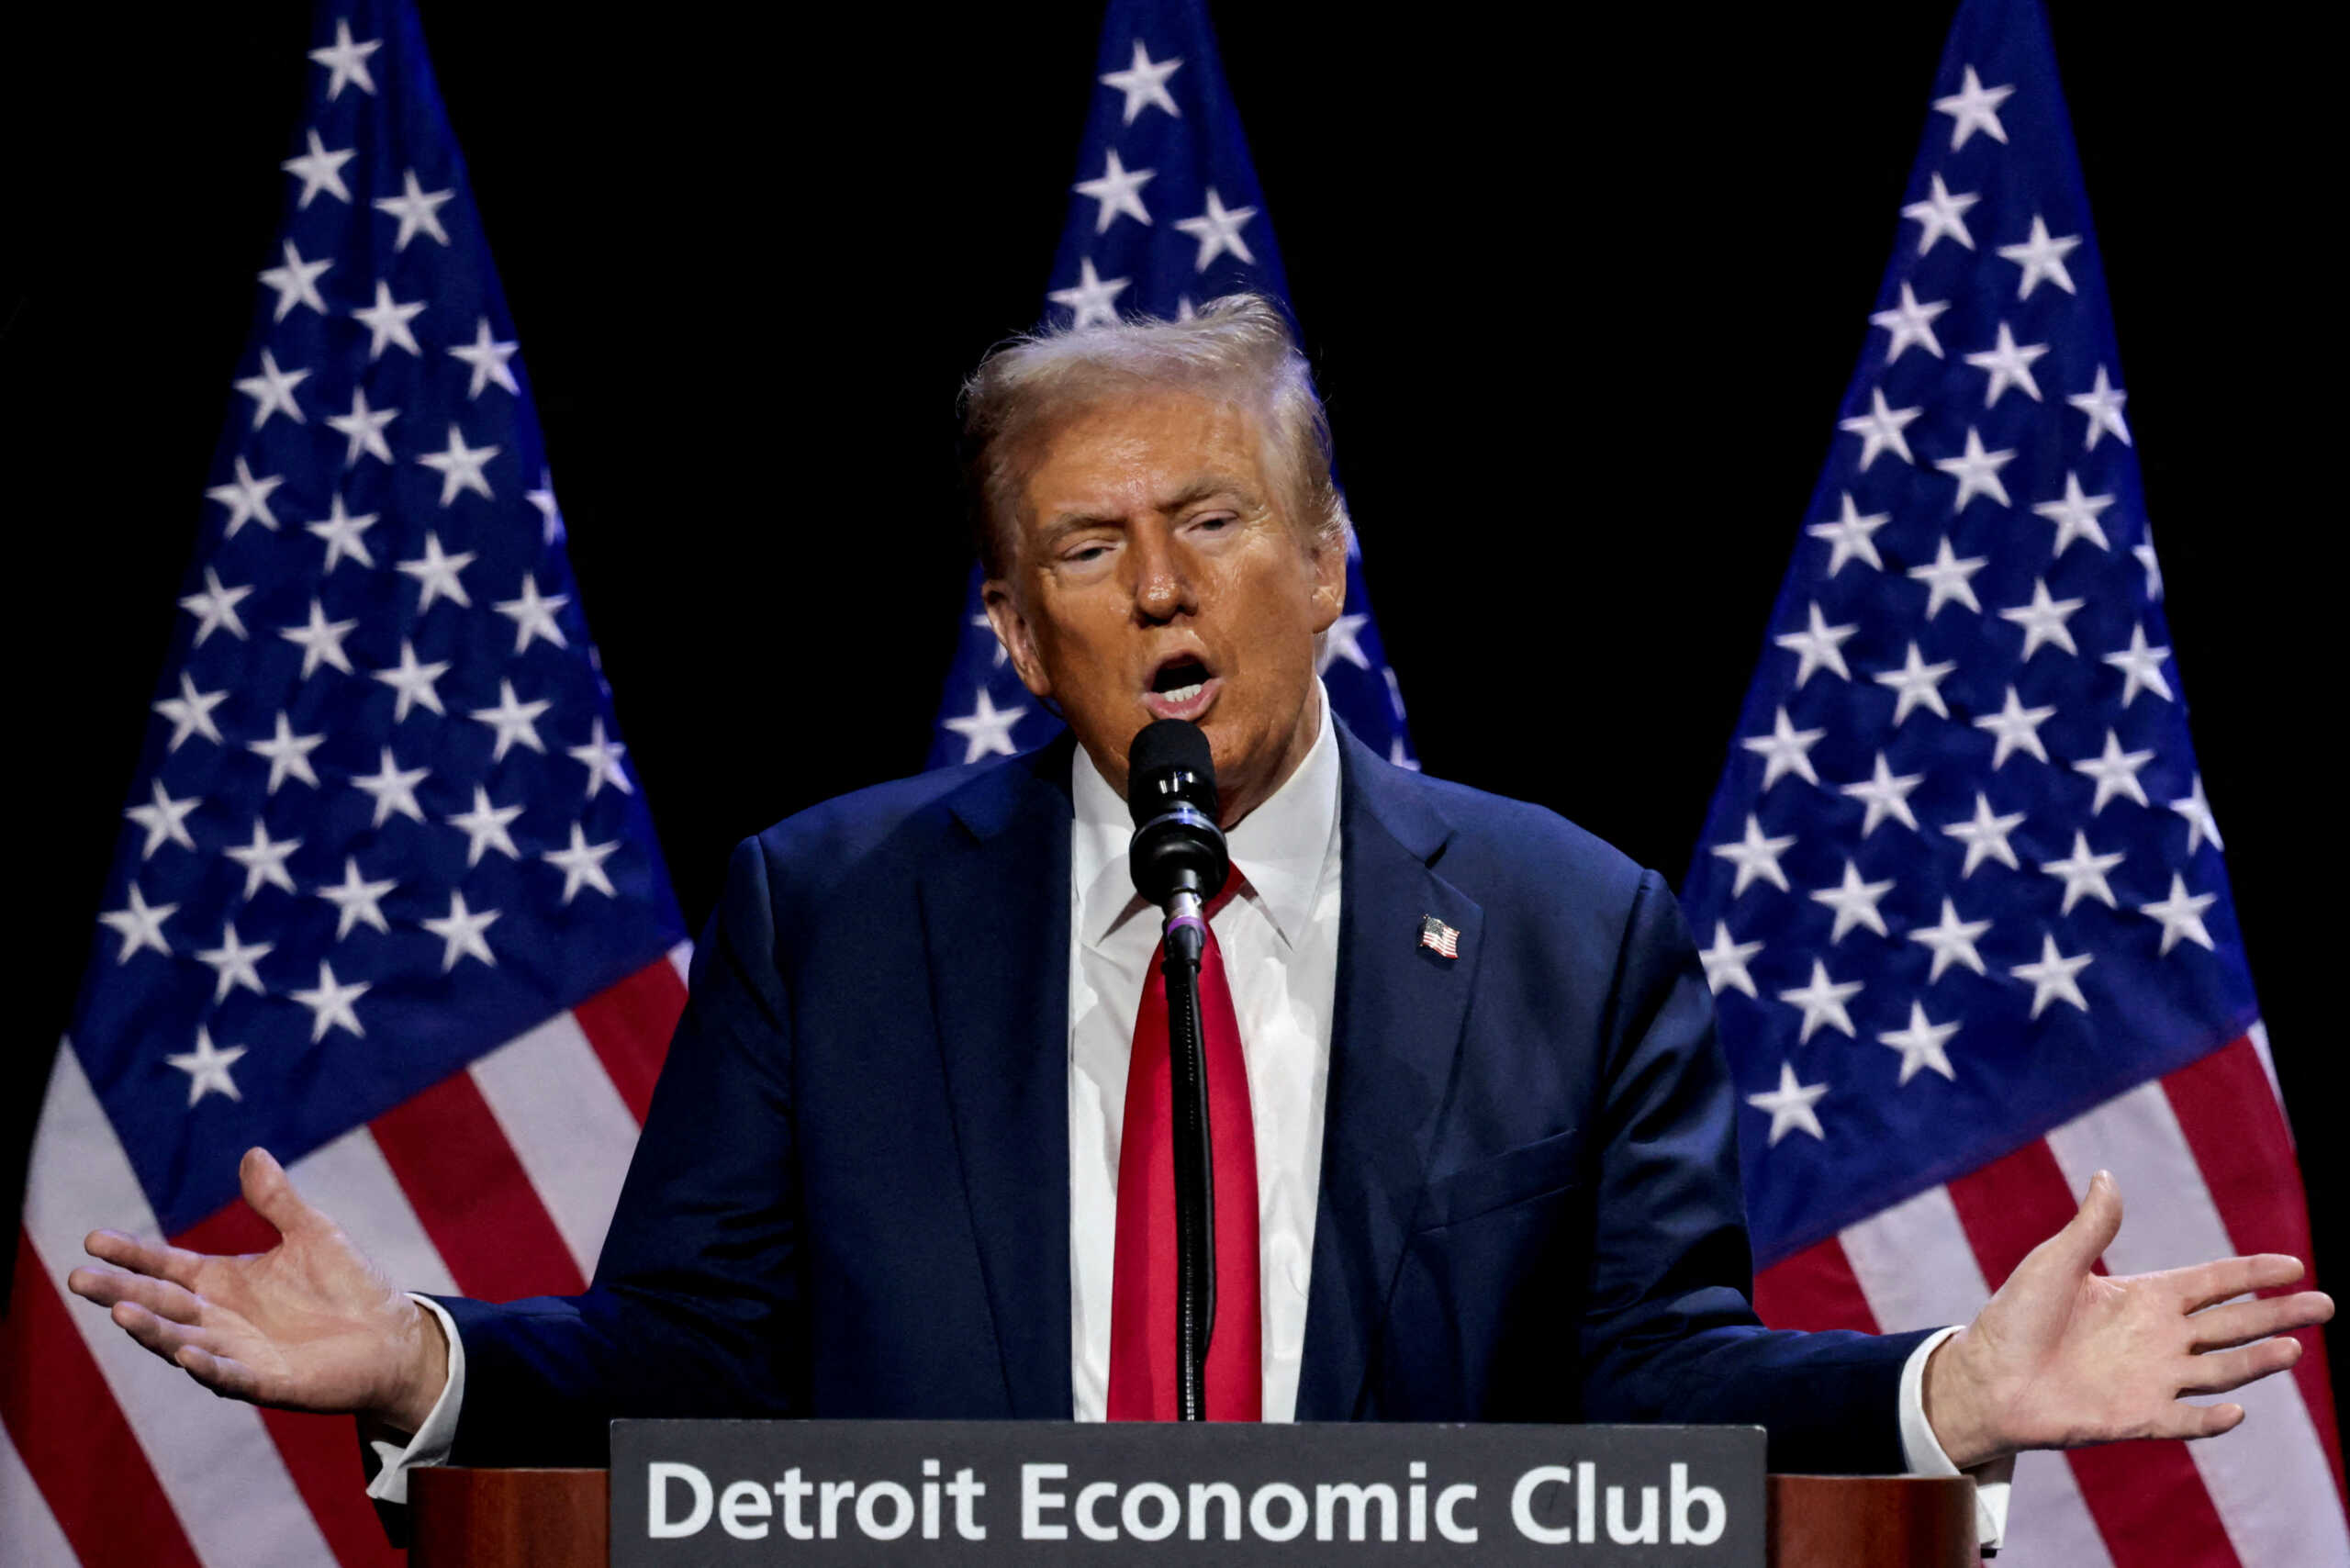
x,y
1156,574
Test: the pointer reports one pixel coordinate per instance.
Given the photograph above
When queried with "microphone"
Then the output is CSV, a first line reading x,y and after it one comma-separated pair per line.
x,y
1180,861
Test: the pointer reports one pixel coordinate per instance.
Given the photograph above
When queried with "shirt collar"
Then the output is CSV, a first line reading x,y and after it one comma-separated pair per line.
x,y
1281,847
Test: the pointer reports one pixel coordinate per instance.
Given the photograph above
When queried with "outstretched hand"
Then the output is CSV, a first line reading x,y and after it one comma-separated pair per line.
x,y
309,1325
2062,1357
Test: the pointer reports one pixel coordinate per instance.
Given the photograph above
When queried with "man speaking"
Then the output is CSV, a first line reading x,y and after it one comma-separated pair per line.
x,y
1474,1154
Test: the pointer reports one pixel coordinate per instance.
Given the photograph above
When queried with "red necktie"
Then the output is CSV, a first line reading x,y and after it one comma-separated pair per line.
x,y
1142,1285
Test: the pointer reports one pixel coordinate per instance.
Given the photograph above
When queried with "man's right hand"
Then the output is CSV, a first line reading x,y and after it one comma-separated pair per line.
x,y
309,1325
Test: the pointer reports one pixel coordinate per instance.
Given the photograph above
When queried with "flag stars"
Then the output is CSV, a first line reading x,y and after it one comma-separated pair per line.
x,y
436,575
514,720
346,61
140,925
165,819
418,210
320,641
392,789
265,860
1093,300
190,714
331,1003
1977,472
387,322
2141,668
534,615
2076,516
2008,364
2102,403
319,170
1854,902
1921,1044
415,682
987,729
2200,823
271,390
297,282
601,758
1785,750
459,466
216,608
2042,257
1218,232
462,932
1726,962
1118,192
2054,977
1144,83
1756,856
2043,620
1342,640
288,755
2181,915
1942,215
1910,325
1986,836
341,531
1974,108
1880,430
1822,1001
1885,794
1916,684
1790,1106
488,359
1852,536
2144,551
486,827
1948,579
2083,873
357,900
2115,772
233,963
582,864
1818,646
1952,941
364,428
208,1069
247,498
550,514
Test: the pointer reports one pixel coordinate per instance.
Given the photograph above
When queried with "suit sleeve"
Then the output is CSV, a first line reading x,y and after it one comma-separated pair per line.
x,y
1669,1331
695,1309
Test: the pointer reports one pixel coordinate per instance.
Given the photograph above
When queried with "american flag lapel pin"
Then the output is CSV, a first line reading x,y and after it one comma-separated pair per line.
x,y
1439,937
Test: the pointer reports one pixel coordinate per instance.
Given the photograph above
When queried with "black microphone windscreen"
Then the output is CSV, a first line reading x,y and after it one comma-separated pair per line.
x,y
1164,748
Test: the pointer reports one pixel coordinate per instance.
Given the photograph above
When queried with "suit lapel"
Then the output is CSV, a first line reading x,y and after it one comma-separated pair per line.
x,y
995,918
1395,1029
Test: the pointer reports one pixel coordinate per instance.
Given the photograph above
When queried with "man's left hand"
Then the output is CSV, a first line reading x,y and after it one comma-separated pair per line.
x,y
2063,1356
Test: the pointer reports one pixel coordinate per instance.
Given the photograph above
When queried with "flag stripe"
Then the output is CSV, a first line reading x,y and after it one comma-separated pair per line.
x,y
350,1179
473,1196
212,1456
2269,1479
101,1492
1814,1289
566,1124
2149,1501
2234,1124
31,1531
630,1024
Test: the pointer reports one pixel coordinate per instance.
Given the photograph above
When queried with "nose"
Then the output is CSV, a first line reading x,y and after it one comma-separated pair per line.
x,y
1162,586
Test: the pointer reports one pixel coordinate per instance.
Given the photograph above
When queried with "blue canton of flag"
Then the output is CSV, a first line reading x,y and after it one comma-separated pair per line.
x,y
1961,882
383,822
1168,215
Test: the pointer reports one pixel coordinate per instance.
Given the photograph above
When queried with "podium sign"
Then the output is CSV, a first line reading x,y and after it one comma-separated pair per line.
x,y
985,1493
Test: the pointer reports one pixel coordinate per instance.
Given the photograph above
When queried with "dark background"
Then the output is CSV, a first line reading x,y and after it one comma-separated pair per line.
x,y
1583,296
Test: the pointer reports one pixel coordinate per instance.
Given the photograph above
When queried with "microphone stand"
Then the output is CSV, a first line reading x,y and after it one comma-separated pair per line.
x,y
1185,936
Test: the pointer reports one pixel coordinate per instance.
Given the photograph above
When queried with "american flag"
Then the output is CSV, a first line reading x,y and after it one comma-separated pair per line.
x,y
1166,214
1961,896
386,899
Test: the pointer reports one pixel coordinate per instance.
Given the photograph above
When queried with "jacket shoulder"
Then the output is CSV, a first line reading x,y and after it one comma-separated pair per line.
x,y
1500,846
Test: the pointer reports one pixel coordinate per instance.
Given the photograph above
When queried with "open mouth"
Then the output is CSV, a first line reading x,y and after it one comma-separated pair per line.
x,y
1180,687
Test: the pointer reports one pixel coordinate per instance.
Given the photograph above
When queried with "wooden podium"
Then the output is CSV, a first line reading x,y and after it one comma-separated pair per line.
x,y
558,1518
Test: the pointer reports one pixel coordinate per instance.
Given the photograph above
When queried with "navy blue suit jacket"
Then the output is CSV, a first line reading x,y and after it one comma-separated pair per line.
x,y
850,1198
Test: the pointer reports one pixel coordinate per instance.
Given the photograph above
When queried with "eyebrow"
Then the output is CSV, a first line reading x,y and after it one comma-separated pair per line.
x,y
1199,490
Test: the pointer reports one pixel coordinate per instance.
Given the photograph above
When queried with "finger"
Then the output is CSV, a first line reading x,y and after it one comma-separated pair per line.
x,y
2221,1370
2240,1323
221,1374
2207,1284
150,1258
107,1286
165,1339
2192,1421
271,1191
2092,1227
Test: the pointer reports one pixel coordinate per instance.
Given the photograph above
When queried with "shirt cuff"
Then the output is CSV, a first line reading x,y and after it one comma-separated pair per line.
x,y
1923,1452
431,1442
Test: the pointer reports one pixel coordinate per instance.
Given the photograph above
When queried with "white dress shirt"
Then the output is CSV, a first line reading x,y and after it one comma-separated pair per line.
x,y
1279,940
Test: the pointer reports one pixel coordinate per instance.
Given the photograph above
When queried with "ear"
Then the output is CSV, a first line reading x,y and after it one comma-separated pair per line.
x,y
1328,559
1013,631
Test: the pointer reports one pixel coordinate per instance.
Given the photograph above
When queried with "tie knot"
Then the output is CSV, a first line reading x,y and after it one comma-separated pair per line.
x,y
1225,895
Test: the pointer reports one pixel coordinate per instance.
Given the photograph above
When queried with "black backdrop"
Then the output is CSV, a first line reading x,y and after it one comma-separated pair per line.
x,y
1582,295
